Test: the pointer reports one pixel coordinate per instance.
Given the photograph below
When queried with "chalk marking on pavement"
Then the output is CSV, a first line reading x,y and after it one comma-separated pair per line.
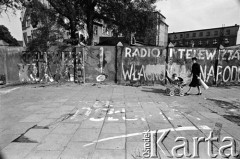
x,y
193,116
124,118
186,128
75,114
93,119
111,111
112,119
88,112
118,111
9,90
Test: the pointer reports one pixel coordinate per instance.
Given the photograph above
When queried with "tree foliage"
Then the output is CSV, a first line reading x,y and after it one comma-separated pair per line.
x,y
47,24
122,16
14,5
7,37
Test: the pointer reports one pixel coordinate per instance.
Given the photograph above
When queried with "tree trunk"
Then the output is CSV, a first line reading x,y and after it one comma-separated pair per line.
x,y
90,29
72,29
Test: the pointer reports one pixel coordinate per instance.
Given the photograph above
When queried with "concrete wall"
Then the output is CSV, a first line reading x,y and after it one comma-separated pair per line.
x,y
9,59
217,67
145,65
94,66
142,65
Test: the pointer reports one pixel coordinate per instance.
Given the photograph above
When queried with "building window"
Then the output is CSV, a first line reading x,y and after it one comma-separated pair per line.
x,y
201,34
180,43
175,36
25,37
200,43
95,30
207,42
192,43
226,41
228,32
187,35
194,35
215,42
216,33
181,36
28,39
28,22
208,33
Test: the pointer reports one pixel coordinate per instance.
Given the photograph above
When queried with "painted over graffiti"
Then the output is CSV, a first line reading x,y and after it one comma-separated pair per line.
x,y
217,66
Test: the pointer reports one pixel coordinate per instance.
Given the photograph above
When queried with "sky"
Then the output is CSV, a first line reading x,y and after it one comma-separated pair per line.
x,y
185,15
181,15
13,23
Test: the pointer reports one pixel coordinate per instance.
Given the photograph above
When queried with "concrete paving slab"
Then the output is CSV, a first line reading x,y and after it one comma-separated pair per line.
x,y
34,118
135,150
77,150
19,128
43,155
32,108
138,124
114,128
18,150
54,142
107,154
51,123
6,139
86,135
45,110
65,128
111,141
135,135
37,134
91,124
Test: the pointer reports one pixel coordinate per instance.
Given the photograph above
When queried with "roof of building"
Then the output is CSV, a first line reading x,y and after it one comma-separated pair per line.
x,y
205,29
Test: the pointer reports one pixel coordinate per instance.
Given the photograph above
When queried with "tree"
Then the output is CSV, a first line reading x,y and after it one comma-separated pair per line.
x,y
124,16
7,37
5,5
127,16
47,24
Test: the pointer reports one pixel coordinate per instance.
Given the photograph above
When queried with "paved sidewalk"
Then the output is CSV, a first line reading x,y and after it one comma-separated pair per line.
x,y
107,121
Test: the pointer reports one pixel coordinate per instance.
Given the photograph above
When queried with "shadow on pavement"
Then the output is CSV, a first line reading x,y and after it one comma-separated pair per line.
x,y
154,90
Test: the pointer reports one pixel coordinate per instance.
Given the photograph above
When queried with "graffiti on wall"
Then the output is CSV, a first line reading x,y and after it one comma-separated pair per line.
x,y
217,67
143,64
100,63
51,66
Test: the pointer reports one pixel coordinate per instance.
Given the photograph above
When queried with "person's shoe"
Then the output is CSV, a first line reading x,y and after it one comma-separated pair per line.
x,y
199,94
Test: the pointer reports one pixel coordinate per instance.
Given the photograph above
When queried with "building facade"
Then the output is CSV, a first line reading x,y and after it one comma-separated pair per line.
x,y
226,36
156,33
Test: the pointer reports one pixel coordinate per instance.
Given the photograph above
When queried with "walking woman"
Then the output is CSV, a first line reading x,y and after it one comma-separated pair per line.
x,y
195,77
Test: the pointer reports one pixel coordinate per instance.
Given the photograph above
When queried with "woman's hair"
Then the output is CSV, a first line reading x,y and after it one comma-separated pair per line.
x,y
194,58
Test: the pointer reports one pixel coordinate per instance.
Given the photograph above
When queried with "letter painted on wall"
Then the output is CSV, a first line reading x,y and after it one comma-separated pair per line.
x,y
217,67
144,64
